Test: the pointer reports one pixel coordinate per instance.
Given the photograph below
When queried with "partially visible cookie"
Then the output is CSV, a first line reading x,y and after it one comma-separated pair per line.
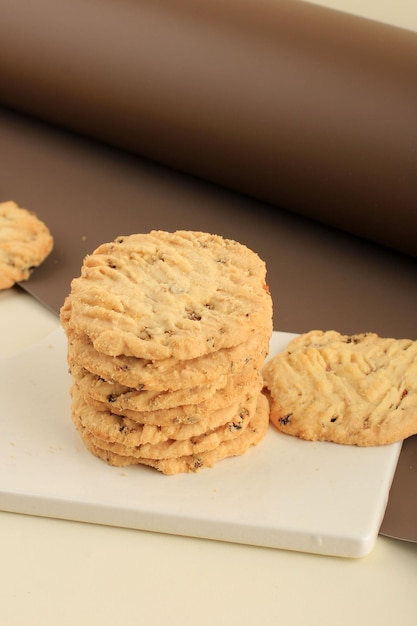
x,y
25,241
250,436
359,389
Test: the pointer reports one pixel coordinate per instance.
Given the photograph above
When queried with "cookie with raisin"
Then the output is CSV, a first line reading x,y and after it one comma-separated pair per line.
x,y
132,404
348,389
167,374
165,295
116,428
133,443
252,435
25,242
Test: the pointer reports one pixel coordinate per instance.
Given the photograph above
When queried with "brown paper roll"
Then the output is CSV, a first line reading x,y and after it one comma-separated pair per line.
x,y
303,107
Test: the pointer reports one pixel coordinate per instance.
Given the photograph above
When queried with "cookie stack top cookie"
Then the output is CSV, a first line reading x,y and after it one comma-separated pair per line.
x,y
161,295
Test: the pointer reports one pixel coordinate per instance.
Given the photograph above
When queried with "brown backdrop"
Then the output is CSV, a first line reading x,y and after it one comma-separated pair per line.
x,y
305,108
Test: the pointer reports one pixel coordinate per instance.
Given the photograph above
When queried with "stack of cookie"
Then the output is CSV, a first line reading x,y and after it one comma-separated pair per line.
x,y
167,333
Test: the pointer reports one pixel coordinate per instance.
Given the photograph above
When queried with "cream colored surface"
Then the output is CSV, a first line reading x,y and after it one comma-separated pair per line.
x,y
401,13
63,573
17,329
58,572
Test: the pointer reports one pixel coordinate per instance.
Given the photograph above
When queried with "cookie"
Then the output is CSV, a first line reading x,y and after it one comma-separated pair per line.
x,y
25,241
120,397
167,374
359,389
183,414
134,406
321,338
251,435
164,295
171,448
176,421
121,429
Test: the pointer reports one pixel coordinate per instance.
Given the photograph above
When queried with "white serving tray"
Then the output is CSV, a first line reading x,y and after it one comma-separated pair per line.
x,y
284,493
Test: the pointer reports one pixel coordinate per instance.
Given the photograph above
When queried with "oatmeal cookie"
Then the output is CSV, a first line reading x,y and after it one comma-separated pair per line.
x,y
187,413
359,389
172,447
167,374
25,241
251,435
166,295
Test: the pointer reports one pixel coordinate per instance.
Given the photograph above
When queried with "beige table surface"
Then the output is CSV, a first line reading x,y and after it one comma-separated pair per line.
x,y
400,13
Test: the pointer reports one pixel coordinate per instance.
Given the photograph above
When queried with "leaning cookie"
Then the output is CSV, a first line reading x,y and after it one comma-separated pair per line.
x,y
25,241
359,389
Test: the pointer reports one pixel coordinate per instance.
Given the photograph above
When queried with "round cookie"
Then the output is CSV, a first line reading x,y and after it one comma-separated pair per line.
x,y
251,435
25,241
182,423
191,412
185,414
118,429
167,374
164,295
359,389
121,397
171,448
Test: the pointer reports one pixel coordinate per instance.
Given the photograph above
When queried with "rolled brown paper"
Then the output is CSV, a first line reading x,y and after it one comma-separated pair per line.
x,y
306,108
